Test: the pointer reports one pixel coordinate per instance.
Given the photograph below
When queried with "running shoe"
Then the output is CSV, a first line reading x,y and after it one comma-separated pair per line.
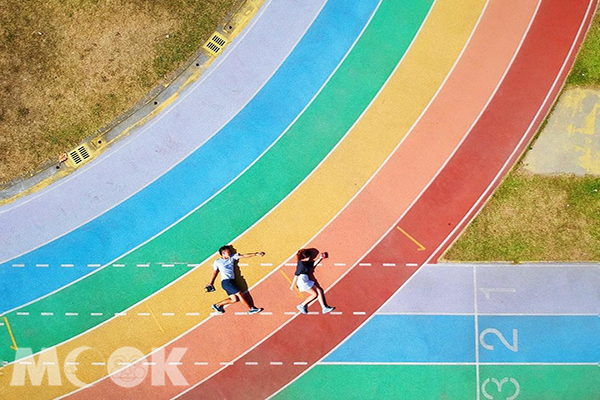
x,y
255,310
302,309
218,309
328,309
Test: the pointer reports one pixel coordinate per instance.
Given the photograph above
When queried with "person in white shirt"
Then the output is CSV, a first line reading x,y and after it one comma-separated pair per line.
x,y
225,266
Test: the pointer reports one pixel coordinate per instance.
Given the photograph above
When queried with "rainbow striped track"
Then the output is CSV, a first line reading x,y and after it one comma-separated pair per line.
x,y
374,130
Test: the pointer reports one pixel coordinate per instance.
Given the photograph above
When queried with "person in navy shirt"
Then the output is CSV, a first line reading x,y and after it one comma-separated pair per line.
x,y
302,278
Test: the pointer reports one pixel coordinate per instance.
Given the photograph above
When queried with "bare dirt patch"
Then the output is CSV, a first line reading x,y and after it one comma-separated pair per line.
x,y
68,68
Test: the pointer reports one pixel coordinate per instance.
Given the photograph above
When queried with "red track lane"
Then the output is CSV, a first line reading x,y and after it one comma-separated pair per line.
x,y
453,198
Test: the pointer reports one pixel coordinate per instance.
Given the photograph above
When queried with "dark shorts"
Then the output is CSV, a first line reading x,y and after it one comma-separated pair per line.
x,y
229,286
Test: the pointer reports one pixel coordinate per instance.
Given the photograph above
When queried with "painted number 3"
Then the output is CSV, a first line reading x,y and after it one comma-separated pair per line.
x,y
499,384
491,331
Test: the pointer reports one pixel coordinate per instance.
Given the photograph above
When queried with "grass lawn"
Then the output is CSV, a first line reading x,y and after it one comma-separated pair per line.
x,y
69,67
534,217
586,71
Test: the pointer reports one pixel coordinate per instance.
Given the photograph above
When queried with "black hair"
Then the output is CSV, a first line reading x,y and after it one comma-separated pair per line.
x,y
226,247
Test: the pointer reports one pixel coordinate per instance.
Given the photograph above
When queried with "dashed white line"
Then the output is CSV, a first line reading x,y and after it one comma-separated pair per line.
x,y
71,314
251,363
364,264
300,363
18,265
200,363
389,264
42,265
275,363
168,314
359,313
192,314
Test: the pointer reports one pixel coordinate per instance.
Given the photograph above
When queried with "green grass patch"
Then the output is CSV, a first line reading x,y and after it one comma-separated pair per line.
x,y
586,71
535,218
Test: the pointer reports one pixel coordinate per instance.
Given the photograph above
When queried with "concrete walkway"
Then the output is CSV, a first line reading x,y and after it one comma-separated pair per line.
x,y
570,143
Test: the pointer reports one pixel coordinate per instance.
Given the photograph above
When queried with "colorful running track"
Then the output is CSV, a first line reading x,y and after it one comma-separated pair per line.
x,y
374,130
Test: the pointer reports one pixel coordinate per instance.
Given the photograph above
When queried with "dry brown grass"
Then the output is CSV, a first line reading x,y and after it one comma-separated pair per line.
x,y
535,218
68,68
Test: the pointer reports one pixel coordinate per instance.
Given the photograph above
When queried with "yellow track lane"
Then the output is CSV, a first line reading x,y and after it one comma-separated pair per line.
x,y
284,230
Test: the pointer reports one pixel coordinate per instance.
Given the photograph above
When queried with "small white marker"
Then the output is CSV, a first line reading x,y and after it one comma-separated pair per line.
x,y
142,265
18,265
22,313
276,363
168,314
25,362
364,264
289,313
226,363
412,264
118,265
244,264
266,264
149,363
120,314
192,314
241,313
336,313
96,314
48,363
41,265
93,265
200,363
71,363
300,363
290,264
168,265
359,313
266,313
98,363
313,313
175,363
251,363
193,265
47,313
144,314
67,265
71,314
339,264
389,264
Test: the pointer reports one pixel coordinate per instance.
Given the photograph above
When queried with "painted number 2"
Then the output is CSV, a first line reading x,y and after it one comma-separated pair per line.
x,y
491,331
499,384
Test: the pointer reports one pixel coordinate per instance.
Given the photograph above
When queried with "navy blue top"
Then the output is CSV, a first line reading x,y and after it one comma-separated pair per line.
x,y
304,267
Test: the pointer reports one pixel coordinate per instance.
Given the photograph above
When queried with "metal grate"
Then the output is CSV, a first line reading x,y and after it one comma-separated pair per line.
x,y
215,44
79,155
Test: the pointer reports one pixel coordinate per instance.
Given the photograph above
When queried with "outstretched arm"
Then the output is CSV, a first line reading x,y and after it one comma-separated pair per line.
x,y
214,276
248,255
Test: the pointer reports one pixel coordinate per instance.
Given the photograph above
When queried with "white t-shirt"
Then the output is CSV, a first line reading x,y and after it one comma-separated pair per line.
x,y
225,267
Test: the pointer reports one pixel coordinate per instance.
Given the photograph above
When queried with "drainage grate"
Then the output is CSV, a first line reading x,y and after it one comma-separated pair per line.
x,y
79,155
215,44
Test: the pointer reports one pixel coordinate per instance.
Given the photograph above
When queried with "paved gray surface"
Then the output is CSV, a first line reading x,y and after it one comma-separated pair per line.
x,y
570,142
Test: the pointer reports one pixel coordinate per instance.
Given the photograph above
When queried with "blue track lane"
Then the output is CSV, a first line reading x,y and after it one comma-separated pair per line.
x,y
442,338
203,173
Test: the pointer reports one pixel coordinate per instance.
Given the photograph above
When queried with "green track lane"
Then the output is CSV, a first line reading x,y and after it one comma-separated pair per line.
x,y
548,382
197,237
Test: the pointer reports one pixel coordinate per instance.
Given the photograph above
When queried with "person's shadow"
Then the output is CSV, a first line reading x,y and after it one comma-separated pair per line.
x,y
240,280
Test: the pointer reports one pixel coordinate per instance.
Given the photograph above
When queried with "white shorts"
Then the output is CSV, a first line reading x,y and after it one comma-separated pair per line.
x,y
304,283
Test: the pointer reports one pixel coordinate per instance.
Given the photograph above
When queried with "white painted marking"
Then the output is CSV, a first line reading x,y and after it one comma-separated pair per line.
x,y
290,264
364,264
412,264
143,265
193,265
96,314
71,363
389,264
241,313
98,363
192,314
168,314
266,313
71,314
300,363
359,313
251,363
18,265
120,314
289,313
118,265
200,363
226,363
266,264
168,265
275,363
487,291
144,314
175,363
339,264
149,363
42,265
244,264
67,265
23,313
335,313
94,265
47,314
